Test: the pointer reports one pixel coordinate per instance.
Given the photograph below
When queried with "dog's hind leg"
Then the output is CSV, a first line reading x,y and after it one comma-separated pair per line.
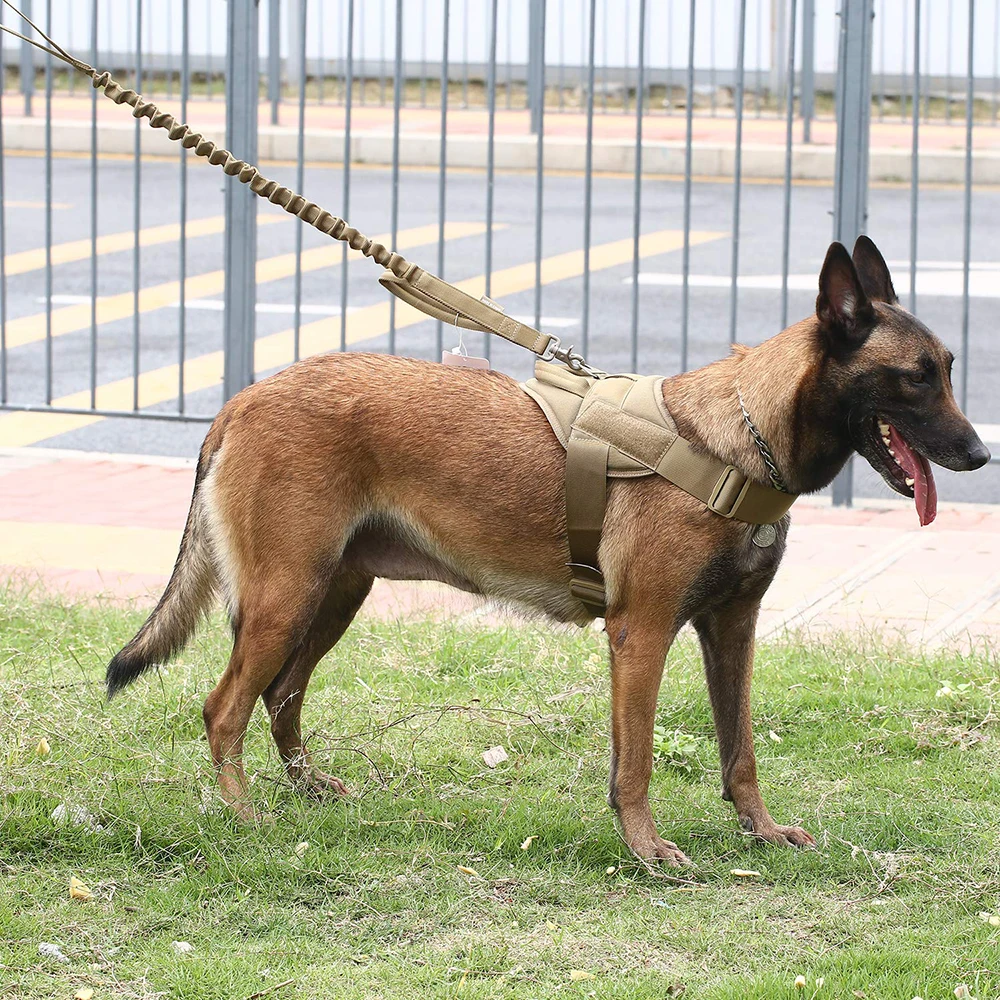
x,y
283,696
727,642
271,619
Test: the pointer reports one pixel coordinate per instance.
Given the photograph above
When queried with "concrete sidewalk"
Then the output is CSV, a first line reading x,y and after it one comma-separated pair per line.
x,y
942,146
92,524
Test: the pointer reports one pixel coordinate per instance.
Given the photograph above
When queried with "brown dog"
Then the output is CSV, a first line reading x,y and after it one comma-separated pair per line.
x,y
347,467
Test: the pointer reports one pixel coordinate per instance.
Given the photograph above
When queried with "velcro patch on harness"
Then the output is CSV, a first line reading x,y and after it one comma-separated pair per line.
x,y
639,439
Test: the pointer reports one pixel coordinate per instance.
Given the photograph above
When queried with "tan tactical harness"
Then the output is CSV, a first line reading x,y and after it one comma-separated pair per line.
x,y
617,426
610,425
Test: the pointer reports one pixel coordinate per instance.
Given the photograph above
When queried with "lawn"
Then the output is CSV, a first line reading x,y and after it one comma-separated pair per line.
x,y
444,877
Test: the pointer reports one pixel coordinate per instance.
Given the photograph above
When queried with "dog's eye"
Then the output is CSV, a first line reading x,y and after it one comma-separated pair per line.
x,y
917,378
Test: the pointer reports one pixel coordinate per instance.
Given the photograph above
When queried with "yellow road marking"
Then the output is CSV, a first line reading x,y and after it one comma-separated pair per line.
x,y
276,350
90,547
58,205
65,253
70,319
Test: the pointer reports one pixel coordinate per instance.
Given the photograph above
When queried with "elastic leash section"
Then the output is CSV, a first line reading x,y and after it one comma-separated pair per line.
x,y
424,291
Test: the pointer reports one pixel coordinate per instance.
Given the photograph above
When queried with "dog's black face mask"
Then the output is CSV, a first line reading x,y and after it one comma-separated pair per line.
x,y
893,378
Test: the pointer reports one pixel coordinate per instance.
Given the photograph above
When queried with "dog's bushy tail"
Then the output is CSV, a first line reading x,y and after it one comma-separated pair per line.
x,y
188,595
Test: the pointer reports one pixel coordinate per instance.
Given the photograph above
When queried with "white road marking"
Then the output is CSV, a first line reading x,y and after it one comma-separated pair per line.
x,y
945,283
288,309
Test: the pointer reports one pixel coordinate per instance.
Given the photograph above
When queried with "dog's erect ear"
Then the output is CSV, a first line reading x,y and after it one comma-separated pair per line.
x,y
873,272
843,309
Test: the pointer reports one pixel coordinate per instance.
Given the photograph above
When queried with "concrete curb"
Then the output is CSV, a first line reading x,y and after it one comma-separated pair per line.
x,y
709,159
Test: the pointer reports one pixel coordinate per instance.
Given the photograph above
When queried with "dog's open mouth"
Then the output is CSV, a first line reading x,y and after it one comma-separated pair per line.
x,y
904,469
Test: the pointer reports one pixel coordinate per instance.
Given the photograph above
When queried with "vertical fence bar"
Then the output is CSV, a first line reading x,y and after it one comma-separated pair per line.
x,y
242,83
491,101
538,39
737,172
669,102
465,53
136,213
442,166
397,93
93,214
625,57
182,244
881,68
588,179
345,197
604,57
850,189
637,187
381,53
759,80
562,54
996,55
807,96
510,68
300,161
535,70
423,53
321,59
274,57
688,137
787,206
363,76
915,158
208,49
903,35
48,210
947,66
967,218
27,65
711,57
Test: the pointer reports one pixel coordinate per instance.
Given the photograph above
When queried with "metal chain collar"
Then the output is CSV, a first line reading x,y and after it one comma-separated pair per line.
x,y
763,447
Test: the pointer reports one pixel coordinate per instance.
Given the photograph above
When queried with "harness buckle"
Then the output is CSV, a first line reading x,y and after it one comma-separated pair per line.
x,y
720,502
587,585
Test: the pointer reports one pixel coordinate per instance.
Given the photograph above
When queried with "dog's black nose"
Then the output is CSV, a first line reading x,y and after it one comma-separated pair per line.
x,y
979,455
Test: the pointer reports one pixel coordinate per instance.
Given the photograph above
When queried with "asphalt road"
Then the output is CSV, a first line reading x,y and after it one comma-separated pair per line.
x,y
660,318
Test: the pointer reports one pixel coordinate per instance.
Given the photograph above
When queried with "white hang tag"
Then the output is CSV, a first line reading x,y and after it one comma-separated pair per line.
x,y
459,360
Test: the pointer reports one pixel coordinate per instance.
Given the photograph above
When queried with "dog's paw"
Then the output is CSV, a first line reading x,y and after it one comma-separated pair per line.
x,y
319,785
654,848
783,836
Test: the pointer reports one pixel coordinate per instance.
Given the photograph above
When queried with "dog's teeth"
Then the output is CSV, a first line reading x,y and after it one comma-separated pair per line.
x,y
891,452
885,441
909,481
884,428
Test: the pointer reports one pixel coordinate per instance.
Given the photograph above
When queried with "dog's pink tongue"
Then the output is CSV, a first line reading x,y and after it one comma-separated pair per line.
x,y
919,470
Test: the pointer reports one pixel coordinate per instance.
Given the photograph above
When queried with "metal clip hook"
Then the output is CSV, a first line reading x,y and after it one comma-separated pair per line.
x,y
570,357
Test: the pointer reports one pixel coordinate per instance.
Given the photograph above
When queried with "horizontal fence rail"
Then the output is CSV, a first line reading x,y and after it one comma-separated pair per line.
x,y
649,181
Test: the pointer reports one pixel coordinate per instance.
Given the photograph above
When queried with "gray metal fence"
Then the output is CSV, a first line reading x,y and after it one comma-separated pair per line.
x,y
579,147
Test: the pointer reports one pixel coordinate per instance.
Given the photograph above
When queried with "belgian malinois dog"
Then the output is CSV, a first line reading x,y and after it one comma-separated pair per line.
x,y
346,467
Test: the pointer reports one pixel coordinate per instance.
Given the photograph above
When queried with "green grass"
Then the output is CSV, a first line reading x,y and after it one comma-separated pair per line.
x,y
897,779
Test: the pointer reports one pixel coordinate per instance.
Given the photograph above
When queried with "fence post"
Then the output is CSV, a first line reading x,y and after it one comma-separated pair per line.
x,y
850,186
242,82
27,63
536,62
807,99
274,57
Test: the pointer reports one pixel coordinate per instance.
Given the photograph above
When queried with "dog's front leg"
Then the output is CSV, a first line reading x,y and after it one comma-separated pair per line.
x,y
727,642
638,652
